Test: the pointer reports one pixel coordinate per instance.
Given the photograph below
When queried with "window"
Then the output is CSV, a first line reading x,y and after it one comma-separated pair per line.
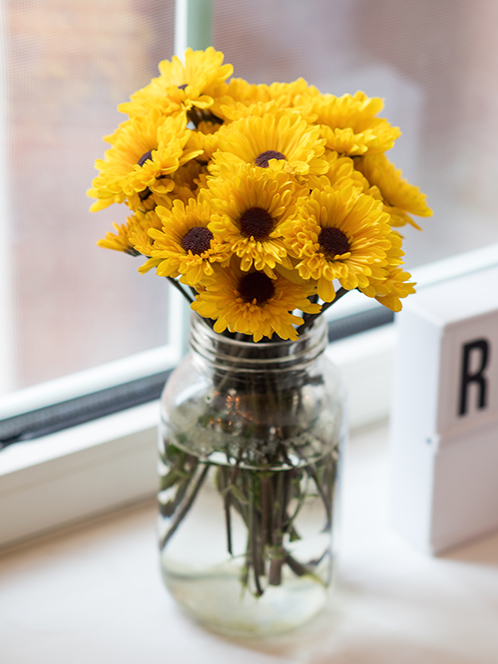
x,y
70,306
78,319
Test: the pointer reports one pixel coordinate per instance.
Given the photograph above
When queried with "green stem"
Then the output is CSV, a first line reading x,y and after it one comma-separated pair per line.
x,y
185,508
266,508
290,519
255,553
228,523
326,500
310,318
176,284
223,486
298,568
227,499
277,560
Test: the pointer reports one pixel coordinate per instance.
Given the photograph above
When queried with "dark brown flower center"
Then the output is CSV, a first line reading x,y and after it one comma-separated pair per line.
x,y
333,241
256,222
144,194
144,157
256,286
263,158
197,240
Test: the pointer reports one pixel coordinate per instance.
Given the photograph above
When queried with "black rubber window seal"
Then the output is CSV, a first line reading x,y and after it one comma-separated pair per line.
x,y
88,407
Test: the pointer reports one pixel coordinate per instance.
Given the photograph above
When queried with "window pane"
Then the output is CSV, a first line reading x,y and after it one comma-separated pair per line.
x,y
67,66
436,65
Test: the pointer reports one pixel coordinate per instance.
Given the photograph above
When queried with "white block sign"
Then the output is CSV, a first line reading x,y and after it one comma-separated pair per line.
x,y
444,428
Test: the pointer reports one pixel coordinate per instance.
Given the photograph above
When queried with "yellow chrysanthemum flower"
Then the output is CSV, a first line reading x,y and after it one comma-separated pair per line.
x,y
187,181
139,231
393,288
399,196
285,94
341,171
182,86
349,123
205,140
183,184
144,151
252,303
132,237
248,209
342,235
238,95
239,110
395,285
242,99
119,241
147,200
280,140
185,246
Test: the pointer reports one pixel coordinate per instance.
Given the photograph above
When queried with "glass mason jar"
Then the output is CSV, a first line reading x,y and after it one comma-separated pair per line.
x,y
250,443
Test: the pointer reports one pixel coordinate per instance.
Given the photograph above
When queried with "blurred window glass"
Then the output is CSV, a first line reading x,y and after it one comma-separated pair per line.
x,y
68,305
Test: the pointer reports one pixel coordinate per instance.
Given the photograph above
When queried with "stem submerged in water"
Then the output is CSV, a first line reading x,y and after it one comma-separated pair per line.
x,y
185,507
267,424
268,502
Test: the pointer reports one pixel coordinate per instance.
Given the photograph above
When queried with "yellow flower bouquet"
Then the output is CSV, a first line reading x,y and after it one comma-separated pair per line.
x,y
263,205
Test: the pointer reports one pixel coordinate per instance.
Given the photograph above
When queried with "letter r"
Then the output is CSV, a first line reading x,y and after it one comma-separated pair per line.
x,y
480,346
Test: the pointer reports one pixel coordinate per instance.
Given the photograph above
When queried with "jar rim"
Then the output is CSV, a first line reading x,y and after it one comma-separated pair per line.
x,y
224,351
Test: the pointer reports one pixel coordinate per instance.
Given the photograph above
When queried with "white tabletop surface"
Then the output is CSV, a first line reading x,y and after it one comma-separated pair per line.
x,y
94,594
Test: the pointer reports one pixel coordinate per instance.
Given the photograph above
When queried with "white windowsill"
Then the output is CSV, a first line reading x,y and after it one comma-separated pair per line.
x,y
94,593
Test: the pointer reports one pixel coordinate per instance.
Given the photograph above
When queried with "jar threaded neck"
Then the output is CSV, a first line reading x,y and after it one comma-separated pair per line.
x,y
228,354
